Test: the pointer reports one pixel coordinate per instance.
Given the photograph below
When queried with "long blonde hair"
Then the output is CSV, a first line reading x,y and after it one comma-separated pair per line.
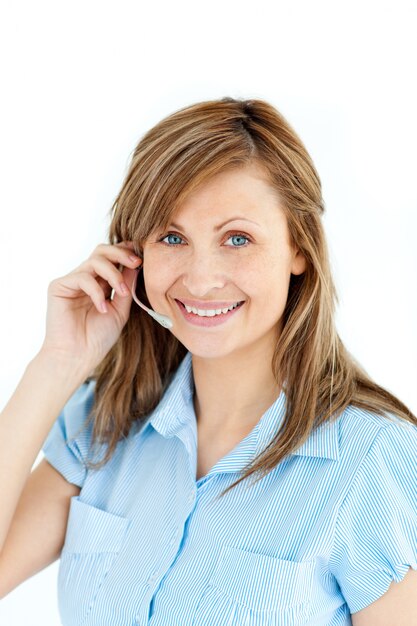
x,y
171,160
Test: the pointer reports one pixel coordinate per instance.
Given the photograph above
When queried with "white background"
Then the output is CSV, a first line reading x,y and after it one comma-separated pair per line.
x,y
83,80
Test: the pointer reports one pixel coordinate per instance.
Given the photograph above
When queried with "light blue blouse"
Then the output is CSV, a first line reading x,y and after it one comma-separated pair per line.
x,y
321,536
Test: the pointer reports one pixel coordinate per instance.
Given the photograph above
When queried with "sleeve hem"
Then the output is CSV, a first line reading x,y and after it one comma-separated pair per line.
x,y
377,583
74,475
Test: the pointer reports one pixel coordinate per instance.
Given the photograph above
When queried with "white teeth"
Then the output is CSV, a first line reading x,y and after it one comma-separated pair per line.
x,y
210,312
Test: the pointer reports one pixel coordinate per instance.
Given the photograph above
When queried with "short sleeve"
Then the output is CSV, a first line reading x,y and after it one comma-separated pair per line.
x,y
376,529
68,442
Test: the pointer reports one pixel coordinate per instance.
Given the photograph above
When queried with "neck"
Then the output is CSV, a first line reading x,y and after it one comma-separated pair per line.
x,y
233,392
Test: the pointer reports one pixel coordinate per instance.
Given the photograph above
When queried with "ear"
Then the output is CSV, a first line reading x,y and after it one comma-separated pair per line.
x,y
299,263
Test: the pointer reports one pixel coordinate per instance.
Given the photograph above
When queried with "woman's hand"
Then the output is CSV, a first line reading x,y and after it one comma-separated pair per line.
x,y
76,327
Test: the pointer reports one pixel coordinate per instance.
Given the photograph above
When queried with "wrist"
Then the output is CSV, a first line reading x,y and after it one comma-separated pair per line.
x,y
58,365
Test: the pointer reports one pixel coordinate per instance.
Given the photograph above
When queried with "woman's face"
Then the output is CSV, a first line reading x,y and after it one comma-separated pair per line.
x,y
199,258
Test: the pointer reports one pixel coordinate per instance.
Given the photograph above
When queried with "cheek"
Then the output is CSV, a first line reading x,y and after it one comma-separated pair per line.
x,y
157,282
269,280
156,277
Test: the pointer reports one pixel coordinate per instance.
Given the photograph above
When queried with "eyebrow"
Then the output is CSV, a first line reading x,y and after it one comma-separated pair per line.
x,y
217,228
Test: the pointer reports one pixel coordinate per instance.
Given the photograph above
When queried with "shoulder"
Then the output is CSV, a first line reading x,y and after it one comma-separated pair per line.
x,y
81,402
362,444
361,430
68,443
73,416
354,414
71,428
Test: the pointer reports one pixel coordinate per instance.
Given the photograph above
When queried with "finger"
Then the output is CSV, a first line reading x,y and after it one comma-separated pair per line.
x,y
122,304
102,262
117,253
71,285
128,276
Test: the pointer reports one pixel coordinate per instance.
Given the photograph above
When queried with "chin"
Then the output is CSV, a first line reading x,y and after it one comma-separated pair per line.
x,y
211,348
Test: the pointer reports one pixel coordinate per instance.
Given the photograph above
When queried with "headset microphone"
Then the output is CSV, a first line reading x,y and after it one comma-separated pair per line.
x,y
164,320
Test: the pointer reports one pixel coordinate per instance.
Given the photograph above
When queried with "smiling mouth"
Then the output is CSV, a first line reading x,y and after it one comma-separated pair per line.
x,y
215,308
221,309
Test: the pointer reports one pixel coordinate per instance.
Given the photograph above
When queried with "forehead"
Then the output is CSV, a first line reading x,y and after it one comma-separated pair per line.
x,y
245,188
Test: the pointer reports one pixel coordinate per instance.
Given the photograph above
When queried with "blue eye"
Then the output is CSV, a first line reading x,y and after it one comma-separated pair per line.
x,y
171,235
239,236
232,236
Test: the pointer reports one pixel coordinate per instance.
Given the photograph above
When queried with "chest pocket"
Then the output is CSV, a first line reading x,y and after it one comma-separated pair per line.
x,y
249,589
93,539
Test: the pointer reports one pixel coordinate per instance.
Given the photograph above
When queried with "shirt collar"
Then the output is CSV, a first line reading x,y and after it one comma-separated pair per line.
x,y
176,405
176,409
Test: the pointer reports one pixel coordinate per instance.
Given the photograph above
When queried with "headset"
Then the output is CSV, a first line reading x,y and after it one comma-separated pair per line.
x,y
164,320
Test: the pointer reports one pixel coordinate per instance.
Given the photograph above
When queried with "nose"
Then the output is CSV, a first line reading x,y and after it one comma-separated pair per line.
x,y
203,273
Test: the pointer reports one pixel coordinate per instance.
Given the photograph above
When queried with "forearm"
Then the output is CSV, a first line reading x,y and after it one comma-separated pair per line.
x,y
44,389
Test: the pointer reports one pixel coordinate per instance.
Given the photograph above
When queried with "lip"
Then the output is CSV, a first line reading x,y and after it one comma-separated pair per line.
x,y
216,320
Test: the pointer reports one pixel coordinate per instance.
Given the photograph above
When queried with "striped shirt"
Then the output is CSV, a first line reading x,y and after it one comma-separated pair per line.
x,y
322,536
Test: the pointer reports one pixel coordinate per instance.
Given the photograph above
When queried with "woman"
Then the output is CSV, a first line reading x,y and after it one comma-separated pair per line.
x,y
237,372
